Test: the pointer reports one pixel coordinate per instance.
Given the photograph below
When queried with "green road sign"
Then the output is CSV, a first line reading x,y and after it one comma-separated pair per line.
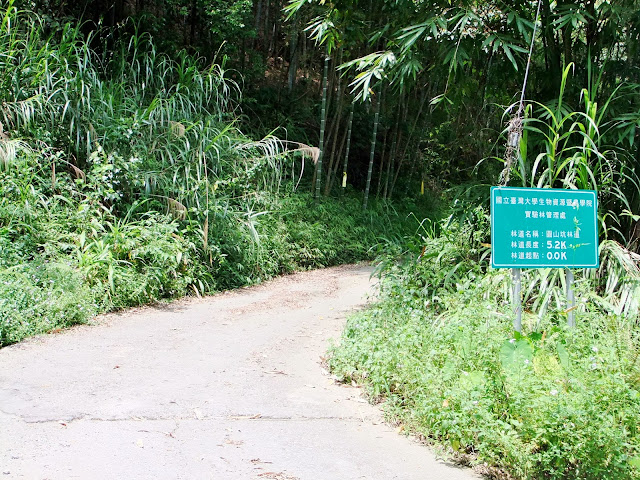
x,y
544,227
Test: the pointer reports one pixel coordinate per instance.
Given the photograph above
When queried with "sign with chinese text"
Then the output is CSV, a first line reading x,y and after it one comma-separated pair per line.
x,y
544,228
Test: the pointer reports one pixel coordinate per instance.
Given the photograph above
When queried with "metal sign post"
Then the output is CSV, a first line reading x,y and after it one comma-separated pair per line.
x,y
543,228
517,298
571,301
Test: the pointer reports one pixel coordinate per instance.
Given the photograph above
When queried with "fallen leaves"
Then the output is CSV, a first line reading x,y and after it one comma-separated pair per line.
x,y
277,476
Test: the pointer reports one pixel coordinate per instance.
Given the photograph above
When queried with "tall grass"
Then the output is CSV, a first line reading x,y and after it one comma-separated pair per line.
x,y
579,148
171,119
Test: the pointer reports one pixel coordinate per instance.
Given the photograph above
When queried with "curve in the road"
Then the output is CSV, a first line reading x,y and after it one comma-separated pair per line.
x,y
226,387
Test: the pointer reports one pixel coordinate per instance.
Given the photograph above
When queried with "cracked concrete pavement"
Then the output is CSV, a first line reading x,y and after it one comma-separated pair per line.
x,y
225,387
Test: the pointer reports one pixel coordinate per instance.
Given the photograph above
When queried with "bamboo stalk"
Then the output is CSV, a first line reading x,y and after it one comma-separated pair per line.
x,y
390,163
346,153
383,157
333,137
376,118
323,119
397,137
408,142
337,163
294,55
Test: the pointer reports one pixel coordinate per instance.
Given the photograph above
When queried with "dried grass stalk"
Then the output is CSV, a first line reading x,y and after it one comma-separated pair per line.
x,y
177,128
177,209
77,173
514,134
306,150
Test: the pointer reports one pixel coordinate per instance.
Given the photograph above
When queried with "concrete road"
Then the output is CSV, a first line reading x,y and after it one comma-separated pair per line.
x,y
226,387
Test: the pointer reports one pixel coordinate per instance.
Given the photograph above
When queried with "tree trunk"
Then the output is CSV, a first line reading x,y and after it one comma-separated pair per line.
x,y
390,163
552,51
397,137
273,28
334,134
383,154
337,163
409,138
592,31
411,171
194,20
265,28
258,22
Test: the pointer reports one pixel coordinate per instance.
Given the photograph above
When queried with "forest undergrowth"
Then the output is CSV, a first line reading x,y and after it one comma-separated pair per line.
x,y
66,258
124,179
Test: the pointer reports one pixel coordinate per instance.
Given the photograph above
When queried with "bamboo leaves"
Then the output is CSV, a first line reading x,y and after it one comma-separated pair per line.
x,y
372,68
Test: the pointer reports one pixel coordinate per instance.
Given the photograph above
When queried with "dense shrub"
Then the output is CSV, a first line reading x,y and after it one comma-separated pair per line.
x,y
41,296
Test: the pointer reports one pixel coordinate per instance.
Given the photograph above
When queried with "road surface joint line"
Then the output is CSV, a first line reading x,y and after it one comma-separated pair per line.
x,y
236,418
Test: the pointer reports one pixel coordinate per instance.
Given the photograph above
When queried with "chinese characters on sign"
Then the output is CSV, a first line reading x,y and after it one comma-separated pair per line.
x,y
543,227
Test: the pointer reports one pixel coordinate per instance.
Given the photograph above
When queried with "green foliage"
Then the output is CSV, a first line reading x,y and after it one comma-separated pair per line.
x,y
65,258
564,147
410,36
125,181
40,296
439,350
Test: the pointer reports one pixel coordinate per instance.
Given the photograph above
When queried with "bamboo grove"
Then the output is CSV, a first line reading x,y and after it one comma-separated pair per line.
x,y
440,75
